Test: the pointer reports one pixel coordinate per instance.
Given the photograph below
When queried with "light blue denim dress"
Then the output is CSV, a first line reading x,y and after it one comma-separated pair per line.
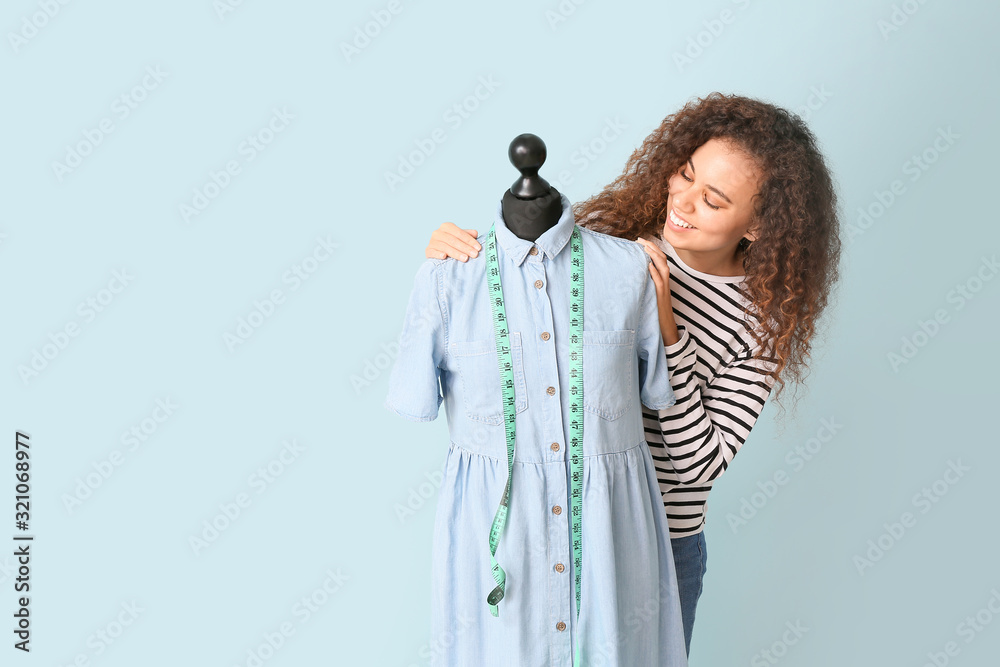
x,y
630,614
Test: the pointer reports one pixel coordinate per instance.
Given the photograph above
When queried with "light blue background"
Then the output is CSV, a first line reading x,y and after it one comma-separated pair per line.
x,y
315,371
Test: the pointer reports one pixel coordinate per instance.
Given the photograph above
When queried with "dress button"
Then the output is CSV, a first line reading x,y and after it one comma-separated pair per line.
x,y
555,446
551,391
533,251
560,626
560,567
538,284
545,335
556,509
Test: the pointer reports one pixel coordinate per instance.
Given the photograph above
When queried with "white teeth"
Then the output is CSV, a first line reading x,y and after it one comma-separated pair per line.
x,y
677,221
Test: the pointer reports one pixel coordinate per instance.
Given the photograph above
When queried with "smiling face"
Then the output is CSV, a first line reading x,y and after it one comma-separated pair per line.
x,y
710,205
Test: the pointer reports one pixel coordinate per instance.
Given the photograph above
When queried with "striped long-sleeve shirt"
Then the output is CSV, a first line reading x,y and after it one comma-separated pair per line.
x,y
720,391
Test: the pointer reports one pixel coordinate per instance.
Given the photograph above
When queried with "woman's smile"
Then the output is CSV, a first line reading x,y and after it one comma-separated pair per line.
x,y
678,223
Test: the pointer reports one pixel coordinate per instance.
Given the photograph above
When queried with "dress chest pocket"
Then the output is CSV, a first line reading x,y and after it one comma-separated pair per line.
x,y
479,371
608,372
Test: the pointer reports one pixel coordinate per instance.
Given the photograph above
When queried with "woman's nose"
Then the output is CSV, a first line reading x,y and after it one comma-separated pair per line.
x,y
683,200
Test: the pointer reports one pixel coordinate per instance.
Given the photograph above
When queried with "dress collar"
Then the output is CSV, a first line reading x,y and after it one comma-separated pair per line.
x,y
551,241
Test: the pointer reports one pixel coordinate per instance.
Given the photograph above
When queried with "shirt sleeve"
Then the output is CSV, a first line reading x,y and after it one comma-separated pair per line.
x,y
414,383
655,389
706,427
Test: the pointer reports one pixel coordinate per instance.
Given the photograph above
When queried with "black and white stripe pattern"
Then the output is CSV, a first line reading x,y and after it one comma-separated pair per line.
x,y
720,392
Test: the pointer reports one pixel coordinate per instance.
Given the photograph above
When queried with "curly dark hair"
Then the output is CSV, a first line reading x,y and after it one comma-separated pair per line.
x,y
792,264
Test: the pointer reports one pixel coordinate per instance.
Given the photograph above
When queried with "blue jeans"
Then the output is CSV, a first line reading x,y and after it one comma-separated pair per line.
x,y
690,562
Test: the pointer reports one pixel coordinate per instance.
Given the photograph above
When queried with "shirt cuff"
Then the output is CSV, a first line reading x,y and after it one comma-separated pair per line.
x,y
661,406
407,415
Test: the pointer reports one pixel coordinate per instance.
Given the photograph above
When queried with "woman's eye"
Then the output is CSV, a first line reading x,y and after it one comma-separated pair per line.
x,y
710,203
685,176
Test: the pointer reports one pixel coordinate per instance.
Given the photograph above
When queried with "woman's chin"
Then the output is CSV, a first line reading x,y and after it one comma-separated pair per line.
x,y
674,238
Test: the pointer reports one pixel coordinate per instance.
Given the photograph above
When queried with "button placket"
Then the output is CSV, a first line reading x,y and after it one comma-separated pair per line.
x,y
558,553
551,434
548,365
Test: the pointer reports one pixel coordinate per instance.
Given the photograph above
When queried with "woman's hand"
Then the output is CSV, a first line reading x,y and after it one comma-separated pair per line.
x,y
660,271
449,240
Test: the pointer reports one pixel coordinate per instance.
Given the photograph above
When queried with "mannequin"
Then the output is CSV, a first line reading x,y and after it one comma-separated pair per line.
x,y
531,205
543,397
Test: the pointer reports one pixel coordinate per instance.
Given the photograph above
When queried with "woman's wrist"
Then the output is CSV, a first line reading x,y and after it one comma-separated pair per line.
x,y
669,331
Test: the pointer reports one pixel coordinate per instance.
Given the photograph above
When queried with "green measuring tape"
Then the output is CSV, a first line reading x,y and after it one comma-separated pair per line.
x,y
575,410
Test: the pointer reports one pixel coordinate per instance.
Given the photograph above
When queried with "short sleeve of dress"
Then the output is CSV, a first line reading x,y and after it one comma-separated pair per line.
x,y
654,375
414,383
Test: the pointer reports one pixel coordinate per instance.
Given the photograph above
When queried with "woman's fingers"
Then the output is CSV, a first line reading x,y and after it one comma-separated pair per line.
x,y
440,248
659,261
449,240
657,279
657,255
464,239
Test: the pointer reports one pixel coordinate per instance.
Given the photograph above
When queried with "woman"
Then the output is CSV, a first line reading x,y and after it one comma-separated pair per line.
x,y
734,204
